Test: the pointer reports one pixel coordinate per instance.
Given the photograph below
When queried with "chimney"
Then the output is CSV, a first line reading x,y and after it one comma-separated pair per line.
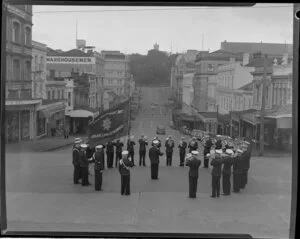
x,y
285,59
245,59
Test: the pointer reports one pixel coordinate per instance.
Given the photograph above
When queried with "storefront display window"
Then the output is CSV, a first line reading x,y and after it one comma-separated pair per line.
x,y
41,124
12,126
25,119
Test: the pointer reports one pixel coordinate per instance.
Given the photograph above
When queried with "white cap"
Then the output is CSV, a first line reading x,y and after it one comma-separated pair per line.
x,y
188,156
125,152
195,152
218,135
240,151
207,155
246,142
78,141
99,146
156,142
84,146
229,151
219,151
182,138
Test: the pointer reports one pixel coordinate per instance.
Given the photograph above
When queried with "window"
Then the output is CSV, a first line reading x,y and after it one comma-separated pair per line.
x,y
27,36
27,71
16,32
16,70
36,63
53,94
69,99
41,66
49,95
257,94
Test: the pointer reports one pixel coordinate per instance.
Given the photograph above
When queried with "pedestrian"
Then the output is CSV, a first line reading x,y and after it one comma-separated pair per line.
x,y
109,154
182,148
84,163
207,147
194,163
218,144
130,148
76,160
98,159
143,143
193,145
169,144
237,171
89,154
226,172
216,173
154,154
245,164
119,145
67,131
124,165
247,161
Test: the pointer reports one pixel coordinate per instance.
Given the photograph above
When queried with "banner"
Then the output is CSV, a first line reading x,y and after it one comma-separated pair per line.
x,y
109,125
70,60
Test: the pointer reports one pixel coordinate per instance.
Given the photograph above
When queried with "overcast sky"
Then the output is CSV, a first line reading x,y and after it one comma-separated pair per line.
x,y
137,31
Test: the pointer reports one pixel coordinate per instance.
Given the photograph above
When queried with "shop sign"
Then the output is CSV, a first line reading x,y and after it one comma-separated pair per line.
x,y
70,60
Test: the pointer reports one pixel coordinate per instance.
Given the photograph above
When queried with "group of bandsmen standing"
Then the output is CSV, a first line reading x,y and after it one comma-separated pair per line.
x,y
221,153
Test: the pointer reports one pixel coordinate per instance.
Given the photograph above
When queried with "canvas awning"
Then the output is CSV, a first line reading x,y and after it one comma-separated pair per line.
x,y
50,109
81,114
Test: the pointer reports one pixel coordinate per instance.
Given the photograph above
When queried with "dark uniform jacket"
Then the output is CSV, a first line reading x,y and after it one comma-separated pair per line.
x,y
217,166
143,145
83,160
228,162
109,147
182,147
207,146
154,154
99,160
247,159
130,146
238,164
89,152
76,156
119,146
219,144
169,147
124,170
194,165
193,146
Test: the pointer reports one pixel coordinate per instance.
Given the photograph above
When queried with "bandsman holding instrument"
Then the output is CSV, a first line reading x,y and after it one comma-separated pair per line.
x,y
130,148
226,172
194,163
119,145
169,144
182,147
207,147
76,161
84,164
124,168
216,162
143,143
110,154
193,145
246,163
154,154
237,171
159,142
98,159
218,144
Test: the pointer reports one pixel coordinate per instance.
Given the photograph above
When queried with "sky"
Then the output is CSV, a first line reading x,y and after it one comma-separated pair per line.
x,y
137,29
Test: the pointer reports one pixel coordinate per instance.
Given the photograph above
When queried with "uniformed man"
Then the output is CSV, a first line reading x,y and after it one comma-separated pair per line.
x,y
98,159
169,144
110,154
84,163
130,148
237,171
206,151
124,169
143,143
218,144
76,157
154,154
193,145
247,161
194,163
226,172
245,164
89,154
216,173
182,148
159,142
119,145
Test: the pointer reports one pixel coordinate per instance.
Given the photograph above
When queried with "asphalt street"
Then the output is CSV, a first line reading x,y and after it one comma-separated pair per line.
x,y
41,195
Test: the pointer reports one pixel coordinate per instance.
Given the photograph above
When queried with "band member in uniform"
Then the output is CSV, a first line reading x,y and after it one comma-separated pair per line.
x,y
89,154
237,171
98,159
247,161
226,172
206,151
216,173
169,150
143,143
194,163
130,148
124,165
154,154
245,166
193,145
218,144
110,154
159,142
76,156
119,145
84,163
182,147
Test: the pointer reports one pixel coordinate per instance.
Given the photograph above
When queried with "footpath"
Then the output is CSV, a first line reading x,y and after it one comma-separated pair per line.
x,y
41,145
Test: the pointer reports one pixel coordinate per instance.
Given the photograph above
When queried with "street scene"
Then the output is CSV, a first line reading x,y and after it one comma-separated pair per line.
x,y
176,141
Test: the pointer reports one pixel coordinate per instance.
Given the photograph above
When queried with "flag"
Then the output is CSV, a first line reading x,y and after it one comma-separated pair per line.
x,y
109,125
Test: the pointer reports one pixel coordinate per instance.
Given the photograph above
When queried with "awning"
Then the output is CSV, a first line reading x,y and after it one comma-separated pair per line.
x,y
50,109
187,117
81,114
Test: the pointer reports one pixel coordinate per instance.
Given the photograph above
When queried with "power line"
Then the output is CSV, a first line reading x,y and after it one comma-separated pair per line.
x,y
162,9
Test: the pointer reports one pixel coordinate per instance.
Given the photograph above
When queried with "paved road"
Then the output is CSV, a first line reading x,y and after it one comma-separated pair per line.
x,y
41,195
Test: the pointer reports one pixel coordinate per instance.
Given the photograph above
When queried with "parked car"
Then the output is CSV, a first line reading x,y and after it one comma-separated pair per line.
x,y
160,130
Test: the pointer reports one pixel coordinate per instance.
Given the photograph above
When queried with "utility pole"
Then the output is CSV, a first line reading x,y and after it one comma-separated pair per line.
x,y
263,108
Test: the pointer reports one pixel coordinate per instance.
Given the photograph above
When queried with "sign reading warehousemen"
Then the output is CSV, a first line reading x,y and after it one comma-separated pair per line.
x,y
70,60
